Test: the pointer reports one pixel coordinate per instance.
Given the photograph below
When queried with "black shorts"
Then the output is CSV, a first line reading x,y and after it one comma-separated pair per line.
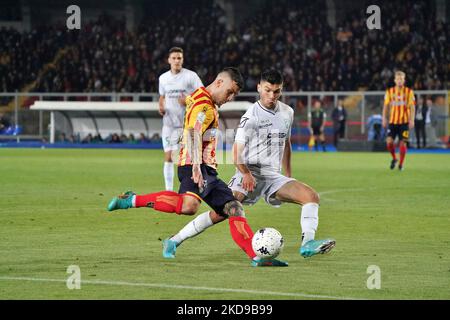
x,y
400,130
316,131
215,192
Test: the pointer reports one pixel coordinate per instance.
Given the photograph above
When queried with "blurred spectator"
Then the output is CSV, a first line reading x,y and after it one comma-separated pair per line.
x,y
142,138
5,123
123,138
97,138
74,138
316,123
131,139
430,124
63,138
112,138
339,117
421,111
115,138
155,138
375,130
88,139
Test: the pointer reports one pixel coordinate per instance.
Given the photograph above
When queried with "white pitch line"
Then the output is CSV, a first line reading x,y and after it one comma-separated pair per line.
x,y
169,286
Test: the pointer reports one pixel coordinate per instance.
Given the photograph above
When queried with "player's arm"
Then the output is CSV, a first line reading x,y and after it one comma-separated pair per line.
x,y
248,181
324,119
162,97
182,100
162,101
310,123
197,150
200,119
287,152
412,109
386,106
287,158
244,133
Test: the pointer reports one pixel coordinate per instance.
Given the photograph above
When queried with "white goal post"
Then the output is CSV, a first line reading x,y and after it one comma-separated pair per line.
x,y
86,117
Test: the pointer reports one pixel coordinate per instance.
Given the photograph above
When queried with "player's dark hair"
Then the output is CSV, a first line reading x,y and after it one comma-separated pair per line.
x,y
175,49
272,76
235,75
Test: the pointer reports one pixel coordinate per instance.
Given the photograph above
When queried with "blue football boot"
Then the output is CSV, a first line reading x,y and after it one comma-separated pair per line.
x,y
123,201
313,247
169,248
260,262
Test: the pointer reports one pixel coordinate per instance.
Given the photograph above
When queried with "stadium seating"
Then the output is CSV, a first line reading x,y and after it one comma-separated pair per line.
x,y
293,37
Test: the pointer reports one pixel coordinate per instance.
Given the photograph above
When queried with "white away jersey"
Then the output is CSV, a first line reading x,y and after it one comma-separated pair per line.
x,y
264,132
172,87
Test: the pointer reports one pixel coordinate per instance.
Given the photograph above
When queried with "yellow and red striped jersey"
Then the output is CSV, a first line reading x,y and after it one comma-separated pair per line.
x,y
400,101
202,114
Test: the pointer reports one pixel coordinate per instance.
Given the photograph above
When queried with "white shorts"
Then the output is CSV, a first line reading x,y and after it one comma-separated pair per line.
x,y
267,184
170,138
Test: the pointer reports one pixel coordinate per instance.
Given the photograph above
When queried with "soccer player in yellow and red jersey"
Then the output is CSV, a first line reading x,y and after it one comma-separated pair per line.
x,y
399,102
197,168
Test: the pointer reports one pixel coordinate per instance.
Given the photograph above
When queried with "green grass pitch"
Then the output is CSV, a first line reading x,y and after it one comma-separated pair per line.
x,y
53,215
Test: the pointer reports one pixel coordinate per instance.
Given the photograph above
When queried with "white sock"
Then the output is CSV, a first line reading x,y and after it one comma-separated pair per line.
x,y
309,221
168,175
133,201
193,228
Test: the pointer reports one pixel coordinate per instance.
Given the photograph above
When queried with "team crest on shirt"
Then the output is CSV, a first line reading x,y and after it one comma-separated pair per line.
x,y
287,123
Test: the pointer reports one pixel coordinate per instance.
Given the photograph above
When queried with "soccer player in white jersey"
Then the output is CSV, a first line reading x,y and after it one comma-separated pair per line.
x,y
261,150
174,86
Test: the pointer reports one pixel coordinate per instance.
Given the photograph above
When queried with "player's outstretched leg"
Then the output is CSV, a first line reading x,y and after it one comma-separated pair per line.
x,y
196,226
164,201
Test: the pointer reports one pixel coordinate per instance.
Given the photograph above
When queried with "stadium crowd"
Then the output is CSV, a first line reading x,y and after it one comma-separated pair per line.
x,y
111,138
291,36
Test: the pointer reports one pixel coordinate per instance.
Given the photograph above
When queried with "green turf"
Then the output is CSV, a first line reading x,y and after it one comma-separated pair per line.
x,y
53,214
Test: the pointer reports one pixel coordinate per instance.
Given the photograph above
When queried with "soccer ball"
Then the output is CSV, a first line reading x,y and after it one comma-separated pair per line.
x,y
267,243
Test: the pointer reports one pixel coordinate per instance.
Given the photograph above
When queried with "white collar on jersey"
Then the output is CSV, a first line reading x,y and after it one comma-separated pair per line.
x,y
176,74
272,111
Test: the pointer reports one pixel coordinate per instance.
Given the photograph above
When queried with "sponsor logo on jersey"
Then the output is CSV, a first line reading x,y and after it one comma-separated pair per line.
x,y
281,135
265,125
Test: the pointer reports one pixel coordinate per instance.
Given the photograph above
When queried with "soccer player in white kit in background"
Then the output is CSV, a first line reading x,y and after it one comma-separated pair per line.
x,y
261,150
174,86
